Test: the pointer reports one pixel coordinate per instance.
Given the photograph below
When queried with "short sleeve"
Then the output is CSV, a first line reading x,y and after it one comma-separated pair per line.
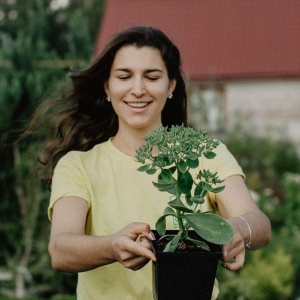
x,y
225,164
68,180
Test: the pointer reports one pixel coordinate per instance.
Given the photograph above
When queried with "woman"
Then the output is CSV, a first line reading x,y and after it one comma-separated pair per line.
x,y
102,210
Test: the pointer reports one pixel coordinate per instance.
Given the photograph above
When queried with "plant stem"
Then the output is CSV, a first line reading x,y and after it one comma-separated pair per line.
x,y
180,222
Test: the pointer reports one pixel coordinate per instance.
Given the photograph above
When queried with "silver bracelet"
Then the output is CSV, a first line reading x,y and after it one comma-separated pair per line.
x,y
248,244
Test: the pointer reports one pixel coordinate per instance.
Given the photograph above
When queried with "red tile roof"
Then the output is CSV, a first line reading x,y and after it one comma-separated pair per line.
x,y
220,38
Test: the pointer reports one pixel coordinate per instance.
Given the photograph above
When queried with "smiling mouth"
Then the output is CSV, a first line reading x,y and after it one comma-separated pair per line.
x,y
138,104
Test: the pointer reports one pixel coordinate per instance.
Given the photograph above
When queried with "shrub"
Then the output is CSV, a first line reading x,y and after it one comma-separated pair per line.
x,y
262,278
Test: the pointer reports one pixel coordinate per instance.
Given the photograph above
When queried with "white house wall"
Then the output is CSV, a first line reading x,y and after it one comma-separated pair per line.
x,y
269,104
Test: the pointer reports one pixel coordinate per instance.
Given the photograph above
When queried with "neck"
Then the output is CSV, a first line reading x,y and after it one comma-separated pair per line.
x,y
129,141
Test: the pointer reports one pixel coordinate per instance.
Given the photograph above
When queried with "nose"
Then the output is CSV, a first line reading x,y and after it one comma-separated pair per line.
x,y
138,88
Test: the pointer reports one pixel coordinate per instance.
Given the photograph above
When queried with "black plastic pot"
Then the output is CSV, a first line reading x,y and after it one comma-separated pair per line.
x,y
184,275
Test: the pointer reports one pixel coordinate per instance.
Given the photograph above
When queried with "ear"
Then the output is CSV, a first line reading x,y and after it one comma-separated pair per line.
x,y
172,85
106,89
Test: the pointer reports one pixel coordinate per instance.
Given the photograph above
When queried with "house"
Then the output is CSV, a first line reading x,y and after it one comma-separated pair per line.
x,y
239,57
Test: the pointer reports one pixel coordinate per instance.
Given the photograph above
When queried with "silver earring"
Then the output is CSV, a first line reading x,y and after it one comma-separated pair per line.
x,y
170,96
108,99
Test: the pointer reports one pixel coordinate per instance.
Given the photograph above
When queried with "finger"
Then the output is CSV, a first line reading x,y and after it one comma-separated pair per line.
x,y
140,250
145,242
138,228
237,264
231,250
134,262
225,251
143,251
139,266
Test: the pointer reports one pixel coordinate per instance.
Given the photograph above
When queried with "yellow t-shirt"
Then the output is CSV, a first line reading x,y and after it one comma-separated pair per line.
x,y
117,194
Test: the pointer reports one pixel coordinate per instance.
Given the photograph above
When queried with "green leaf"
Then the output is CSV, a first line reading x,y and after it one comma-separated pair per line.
x,y
211,227
169,211
168,160
218,189
166,186
182,166
210,155
178,204
172,245
163,184
162,160
193,156
198,190
161,225
198,200
143,168
172,169
151,171
167,237
192,163
185,182
166,174
188,200
199,244
208,187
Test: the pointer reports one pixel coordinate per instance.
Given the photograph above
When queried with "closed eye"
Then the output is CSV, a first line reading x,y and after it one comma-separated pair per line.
x,y
124,77
152,78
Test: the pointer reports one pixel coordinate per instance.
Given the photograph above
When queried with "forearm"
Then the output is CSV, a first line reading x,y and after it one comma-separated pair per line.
x,y
79,253
236,204
259,228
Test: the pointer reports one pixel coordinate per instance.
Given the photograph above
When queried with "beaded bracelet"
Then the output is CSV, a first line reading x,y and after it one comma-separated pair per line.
x,y
248,244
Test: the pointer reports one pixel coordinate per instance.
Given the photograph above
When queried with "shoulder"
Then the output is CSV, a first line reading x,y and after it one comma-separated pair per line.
x,y
223,153
224,162
83,157
222,150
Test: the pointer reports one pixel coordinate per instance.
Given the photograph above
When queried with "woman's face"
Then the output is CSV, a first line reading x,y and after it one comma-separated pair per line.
x,y
138,87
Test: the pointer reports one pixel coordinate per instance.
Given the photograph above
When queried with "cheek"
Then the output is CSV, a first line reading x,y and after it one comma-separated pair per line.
x,y
113,93
162,101
161,91
164,95
117,90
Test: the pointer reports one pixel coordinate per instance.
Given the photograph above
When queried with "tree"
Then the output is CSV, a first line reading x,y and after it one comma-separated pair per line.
x,y
38,47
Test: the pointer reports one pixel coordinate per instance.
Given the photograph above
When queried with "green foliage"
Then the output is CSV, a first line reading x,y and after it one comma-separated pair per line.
x,y
284,207
56,297
179,150
37,49
63,297
264,168
78,36
284,216
273,173
263,277
23,83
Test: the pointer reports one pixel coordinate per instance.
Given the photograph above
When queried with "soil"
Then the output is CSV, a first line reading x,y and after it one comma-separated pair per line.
x,y
184,246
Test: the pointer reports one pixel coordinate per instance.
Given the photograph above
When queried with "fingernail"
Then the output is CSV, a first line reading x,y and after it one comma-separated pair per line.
x,y
224,266
152,236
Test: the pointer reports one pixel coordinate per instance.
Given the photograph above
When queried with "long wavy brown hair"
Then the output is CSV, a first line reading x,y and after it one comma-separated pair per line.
x,y
83,117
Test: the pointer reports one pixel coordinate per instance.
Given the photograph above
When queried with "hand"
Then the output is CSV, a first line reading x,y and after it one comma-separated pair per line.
x,y
131,254
234,252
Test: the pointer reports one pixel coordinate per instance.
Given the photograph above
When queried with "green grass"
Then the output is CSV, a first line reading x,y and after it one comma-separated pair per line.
x,y
4,298
56,297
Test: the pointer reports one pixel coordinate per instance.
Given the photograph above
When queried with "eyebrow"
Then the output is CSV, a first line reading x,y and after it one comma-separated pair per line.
x,y
147,70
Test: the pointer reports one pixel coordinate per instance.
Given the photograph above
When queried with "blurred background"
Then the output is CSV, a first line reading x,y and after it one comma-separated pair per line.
x,y
241,61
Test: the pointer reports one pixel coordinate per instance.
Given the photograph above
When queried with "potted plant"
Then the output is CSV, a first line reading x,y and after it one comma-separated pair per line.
x,y
176,159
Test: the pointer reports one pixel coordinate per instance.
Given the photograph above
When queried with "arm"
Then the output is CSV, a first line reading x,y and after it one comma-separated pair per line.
x,y
235,200
73,251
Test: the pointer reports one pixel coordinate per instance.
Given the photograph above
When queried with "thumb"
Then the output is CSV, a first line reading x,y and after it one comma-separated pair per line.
x,y
141,228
